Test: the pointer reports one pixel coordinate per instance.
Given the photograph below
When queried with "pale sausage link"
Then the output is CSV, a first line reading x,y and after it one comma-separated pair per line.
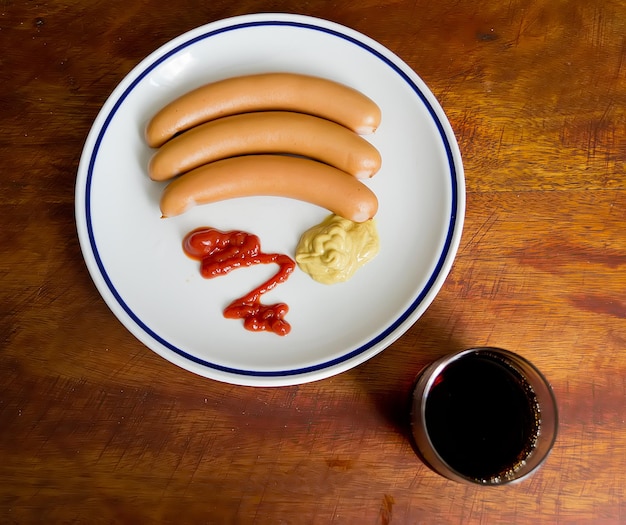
x,y
269,91
271,175
266,132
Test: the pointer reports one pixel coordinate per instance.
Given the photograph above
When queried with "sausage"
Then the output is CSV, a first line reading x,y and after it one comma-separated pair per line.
x,y
266,132
271,175
263,92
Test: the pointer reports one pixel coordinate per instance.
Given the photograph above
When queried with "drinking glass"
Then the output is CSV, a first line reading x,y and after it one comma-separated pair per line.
x,y
483,415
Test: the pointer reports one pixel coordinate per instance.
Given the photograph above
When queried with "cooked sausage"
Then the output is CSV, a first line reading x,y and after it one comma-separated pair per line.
x,y
263,92
271,175
266,132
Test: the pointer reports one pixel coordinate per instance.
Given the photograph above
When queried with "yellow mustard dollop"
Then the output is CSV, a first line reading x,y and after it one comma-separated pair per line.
x,y
335,249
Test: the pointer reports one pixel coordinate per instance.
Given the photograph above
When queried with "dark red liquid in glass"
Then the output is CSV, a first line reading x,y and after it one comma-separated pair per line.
x,y
482,417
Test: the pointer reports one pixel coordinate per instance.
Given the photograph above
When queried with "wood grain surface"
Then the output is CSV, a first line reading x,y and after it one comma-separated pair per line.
x,y
96,428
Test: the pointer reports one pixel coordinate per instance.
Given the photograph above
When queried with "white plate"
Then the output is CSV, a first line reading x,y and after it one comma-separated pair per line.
x,y
135,257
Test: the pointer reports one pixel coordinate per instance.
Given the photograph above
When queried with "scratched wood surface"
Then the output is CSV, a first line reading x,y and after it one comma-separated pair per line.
x,y
95,428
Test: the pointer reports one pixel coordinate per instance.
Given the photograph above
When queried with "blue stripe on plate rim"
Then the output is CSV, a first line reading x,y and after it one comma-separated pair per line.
x,y
327,364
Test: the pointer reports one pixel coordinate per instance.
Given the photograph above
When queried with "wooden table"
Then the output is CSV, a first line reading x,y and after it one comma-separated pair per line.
x,y
96,428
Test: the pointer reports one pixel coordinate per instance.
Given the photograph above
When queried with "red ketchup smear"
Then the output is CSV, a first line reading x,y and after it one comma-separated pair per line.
x,y
222,252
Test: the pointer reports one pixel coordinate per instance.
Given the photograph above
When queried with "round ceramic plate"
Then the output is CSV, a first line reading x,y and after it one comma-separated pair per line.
x,y
135,257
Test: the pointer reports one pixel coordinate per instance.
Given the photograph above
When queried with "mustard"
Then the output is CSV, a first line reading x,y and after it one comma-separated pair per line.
x,y
335,249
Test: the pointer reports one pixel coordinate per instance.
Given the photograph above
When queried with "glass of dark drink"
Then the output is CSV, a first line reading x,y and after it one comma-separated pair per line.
x,y
483,415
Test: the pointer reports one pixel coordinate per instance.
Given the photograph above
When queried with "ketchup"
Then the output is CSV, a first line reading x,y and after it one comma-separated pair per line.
x,y
222,252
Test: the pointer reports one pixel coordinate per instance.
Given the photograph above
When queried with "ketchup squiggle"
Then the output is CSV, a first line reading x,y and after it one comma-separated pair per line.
x,y
220,253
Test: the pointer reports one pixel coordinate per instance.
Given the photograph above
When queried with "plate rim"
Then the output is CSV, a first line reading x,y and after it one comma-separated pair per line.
x,y
328,367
